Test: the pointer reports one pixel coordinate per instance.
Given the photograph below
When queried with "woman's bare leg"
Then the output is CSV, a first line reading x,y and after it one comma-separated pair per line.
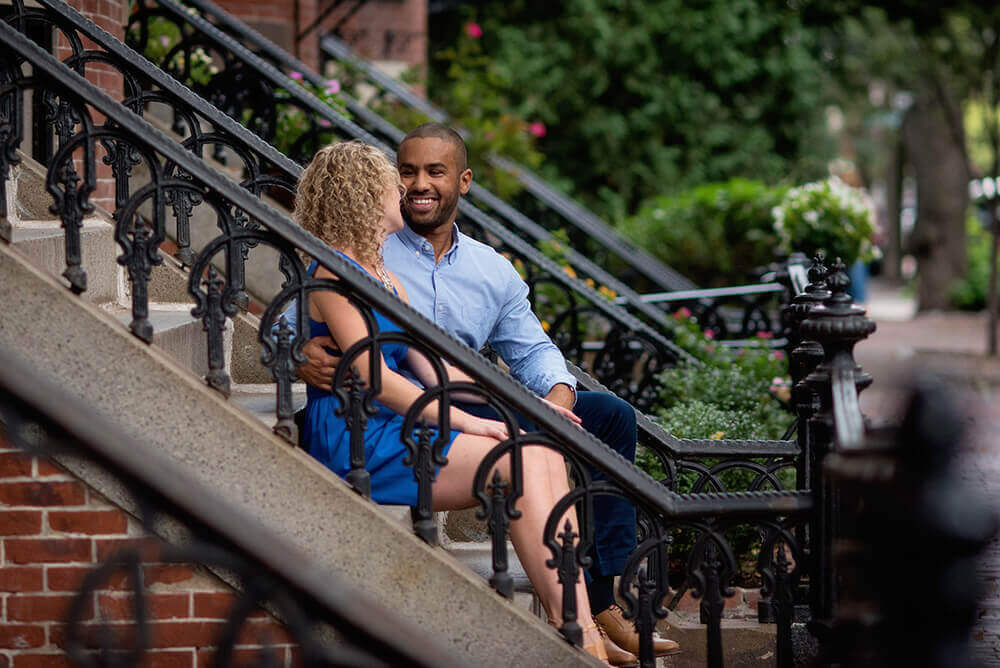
x,y
545,483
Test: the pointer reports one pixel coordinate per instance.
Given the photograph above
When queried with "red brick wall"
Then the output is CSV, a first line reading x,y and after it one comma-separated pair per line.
x,y
380,30
53,530
109,15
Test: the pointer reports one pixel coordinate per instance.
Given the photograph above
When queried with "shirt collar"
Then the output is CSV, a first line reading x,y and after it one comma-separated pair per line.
x,y
415,242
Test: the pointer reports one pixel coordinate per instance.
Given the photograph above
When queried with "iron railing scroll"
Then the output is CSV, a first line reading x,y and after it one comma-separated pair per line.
x,y
177,174
42,418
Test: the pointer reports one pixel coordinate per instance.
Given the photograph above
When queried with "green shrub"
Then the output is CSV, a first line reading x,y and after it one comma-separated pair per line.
x,y
970,293
733,394
715,234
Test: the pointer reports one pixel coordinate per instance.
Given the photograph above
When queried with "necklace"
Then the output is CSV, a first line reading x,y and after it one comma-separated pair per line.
x,y
383,275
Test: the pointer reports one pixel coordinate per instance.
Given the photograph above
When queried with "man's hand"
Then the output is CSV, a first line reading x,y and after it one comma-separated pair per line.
x,y
562,395
320,365
565,412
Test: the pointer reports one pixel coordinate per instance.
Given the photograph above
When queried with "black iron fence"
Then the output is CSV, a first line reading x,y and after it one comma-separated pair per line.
x,y
178,178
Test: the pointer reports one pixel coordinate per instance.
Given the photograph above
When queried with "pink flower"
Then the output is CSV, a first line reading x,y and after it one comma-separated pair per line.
x,y
709,334
682,312
295,75
537,128
778,355
323,123
765,335
332,86
164,40
473,30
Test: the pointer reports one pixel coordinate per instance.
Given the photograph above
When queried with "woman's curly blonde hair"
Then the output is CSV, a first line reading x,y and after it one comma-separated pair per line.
x,y
339,198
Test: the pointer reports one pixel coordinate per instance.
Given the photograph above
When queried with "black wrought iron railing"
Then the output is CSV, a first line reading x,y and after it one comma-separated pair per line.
x,y
42,418
747,312
267,172
177,179
625,361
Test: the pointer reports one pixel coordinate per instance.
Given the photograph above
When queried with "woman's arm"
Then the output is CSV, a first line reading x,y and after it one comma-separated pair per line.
x,y
347,327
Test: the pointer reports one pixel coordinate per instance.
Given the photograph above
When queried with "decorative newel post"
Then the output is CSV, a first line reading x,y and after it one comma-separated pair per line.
x,y
906,554
838,325
803,359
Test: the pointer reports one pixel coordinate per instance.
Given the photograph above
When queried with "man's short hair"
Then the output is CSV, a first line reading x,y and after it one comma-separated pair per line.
x,y
442,131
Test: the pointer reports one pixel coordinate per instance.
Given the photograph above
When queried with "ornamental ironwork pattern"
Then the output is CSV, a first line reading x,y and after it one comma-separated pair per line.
x,y
176,174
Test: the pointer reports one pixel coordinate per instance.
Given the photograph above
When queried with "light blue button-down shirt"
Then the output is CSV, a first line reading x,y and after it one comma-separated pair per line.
x,y
475,294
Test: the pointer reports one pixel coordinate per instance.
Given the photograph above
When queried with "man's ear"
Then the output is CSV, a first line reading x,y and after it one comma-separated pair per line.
x,y
464,181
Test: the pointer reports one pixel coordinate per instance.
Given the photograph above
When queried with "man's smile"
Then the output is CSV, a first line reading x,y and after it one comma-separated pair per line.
x,y
422,203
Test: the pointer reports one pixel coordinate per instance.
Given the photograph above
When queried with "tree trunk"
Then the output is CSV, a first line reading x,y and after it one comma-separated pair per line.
x,y
935,148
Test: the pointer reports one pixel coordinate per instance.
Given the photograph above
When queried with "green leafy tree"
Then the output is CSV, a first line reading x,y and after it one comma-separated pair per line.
x,y
943,55
644,97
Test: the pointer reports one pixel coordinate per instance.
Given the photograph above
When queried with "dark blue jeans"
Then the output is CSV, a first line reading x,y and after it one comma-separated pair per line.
x,y
612,420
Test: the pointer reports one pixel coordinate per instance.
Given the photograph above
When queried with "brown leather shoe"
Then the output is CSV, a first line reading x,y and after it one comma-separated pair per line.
x,y
622,632
616,655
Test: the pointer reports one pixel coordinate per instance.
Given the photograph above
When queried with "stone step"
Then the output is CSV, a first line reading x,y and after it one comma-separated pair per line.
x,y
259,399
177,333
43,243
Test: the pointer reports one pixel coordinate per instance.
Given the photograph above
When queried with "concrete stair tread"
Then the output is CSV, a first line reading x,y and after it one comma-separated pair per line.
x,y
259,399
478,557
163,316
42,242
28,230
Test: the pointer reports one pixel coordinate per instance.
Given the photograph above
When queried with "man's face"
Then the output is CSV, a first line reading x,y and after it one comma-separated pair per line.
x,y
429,169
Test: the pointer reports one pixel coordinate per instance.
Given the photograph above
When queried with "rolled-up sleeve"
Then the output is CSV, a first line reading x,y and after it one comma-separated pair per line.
x,y
519,339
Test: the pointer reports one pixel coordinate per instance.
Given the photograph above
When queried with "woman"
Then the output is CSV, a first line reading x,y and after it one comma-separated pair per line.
x,y
349,196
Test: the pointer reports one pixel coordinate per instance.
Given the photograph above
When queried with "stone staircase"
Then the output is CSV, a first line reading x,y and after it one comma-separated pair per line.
x,y
156,394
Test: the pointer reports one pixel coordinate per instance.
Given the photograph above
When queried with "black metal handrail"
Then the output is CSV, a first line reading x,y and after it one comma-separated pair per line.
x,y
40,416
674,454
176,172
754,316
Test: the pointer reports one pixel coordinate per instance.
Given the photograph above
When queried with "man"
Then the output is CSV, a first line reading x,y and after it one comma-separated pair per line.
x,y
475,294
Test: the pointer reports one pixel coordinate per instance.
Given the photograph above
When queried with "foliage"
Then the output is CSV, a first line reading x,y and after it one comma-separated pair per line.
x,y
551,300
715,234
469,87
830,216
647,97
738,393
294,122
969,293
164,37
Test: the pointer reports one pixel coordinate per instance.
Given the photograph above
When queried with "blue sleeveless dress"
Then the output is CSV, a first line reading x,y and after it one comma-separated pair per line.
x,y
327,438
